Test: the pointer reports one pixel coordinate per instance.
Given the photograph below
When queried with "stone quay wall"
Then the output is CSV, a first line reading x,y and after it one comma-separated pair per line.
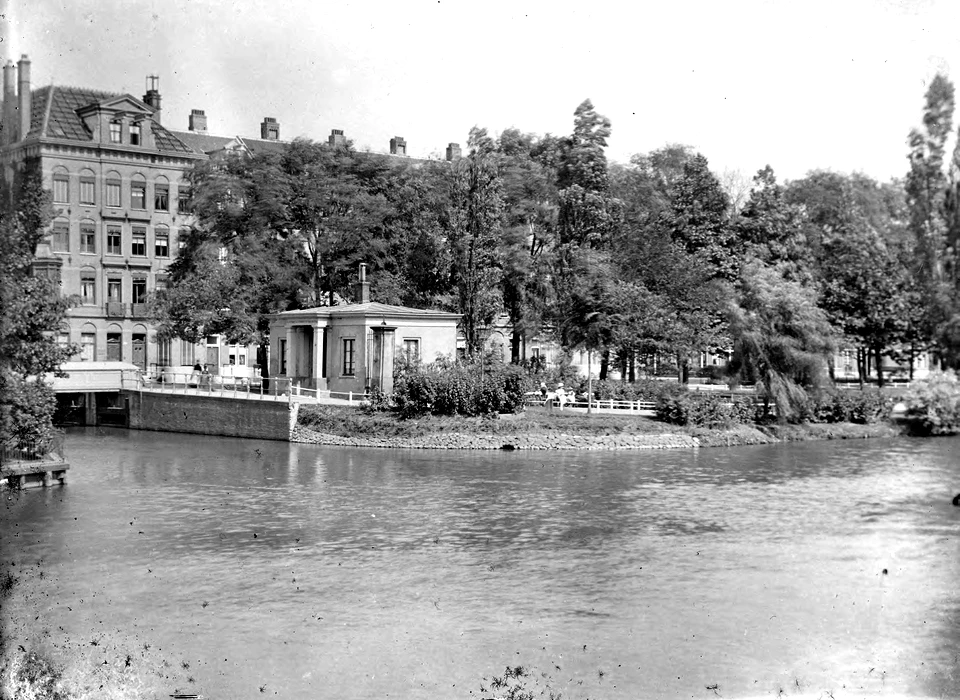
x,y
458,441
212,415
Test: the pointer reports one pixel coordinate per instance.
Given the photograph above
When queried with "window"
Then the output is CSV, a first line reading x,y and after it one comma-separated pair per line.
x,y
213,340
114,289
161,240
115,132
138,245
88,346
161,196
114,237
60,240
183,199
63,339
138,194
232,359
88,288
113,191
88,237
349,359
182,238
139,291
283,357
88,190
243,359
160,286
134,134
61,188
188,354
411,349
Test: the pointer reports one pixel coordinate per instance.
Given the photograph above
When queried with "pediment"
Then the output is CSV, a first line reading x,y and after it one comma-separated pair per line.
x,y
126,104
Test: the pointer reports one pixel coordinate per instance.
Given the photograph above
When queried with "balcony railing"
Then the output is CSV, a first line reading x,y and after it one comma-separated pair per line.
x,y
138,310
116,309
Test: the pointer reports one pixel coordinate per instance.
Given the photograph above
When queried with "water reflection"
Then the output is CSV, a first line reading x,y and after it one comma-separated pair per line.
x,y
359,573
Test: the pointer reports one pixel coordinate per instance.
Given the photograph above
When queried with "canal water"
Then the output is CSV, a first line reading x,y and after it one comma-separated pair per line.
x,y
247,569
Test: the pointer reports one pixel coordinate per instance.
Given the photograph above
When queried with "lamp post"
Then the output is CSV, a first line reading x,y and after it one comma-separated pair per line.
x,y
589,382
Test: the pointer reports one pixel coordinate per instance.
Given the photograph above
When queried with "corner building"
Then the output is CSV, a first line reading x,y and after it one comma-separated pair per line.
x,y
120,197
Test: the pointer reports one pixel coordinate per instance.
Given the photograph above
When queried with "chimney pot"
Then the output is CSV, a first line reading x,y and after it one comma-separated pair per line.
x,y
198,121
453,151
23,72
363,286
152,96
270,129
398,146
337,138
9,103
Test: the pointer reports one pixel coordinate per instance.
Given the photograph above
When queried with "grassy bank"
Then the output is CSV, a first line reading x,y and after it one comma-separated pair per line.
x,y
351,422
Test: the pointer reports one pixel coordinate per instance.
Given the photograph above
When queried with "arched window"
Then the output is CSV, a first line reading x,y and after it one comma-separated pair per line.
x,y
88,343
112,193
88,187
182,237
138,192
161,194
61,186
88,236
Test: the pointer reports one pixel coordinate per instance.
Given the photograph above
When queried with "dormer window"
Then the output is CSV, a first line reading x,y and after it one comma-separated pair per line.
x,y
134,134
115,127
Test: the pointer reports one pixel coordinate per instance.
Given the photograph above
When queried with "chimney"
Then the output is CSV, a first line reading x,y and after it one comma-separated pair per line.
x,y
453,151
398,146
337,138
363,287
9,103
152,97
23,70
270,129
198,121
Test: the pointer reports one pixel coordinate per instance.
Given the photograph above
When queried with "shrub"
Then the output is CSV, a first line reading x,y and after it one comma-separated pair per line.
x,y
376,402
847,406
701,410
933,404
464,390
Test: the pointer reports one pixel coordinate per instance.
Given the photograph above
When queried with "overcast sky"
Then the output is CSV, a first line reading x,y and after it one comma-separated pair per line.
x,y
800,85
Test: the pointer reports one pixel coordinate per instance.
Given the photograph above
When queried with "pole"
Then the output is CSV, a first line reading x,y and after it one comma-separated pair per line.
x,y
589,382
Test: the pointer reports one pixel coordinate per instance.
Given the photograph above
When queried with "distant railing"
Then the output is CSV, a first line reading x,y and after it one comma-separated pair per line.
x,y
43,450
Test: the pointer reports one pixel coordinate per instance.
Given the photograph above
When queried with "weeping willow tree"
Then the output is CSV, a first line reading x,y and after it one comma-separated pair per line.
x,y
781,338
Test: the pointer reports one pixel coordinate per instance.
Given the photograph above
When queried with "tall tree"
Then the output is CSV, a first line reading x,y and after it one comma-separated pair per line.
x,y
31,310
473,227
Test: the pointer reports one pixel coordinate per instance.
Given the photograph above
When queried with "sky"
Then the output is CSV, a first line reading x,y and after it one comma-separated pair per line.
x,y
797,85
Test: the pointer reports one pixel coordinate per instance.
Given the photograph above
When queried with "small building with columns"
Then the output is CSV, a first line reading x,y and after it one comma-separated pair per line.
x,y
352,347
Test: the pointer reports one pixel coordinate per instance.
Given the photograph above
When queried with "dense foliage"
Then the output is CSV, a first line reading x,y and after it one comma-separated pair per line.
x,y
31,310
933,404
659,257
461,389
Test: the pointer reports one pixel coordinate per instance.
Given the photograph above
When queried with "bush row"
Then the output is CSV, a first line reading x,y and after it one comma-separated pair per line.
x,y
713,411
465,390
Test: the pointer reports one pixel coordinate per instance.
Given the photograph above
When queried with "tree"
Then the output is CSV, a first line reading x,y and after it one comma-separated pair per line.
x,y
473,225
781,338
699,218
335,213
772,229
31,310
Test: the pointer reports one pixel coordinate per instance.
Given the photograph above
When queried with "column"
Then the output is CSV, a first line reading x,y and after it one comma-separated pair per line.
x,y
318,359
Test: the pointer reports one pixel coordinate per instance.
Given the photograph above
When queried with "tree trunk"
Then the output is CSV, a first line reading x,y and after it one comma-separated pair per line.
x,y
861,368
878,354
683,369
913,357
632,366
604,364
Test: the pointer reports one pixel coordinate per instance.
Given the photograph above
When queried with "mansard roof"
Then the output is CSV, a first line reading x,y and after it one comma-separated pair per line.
x,y
55,114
